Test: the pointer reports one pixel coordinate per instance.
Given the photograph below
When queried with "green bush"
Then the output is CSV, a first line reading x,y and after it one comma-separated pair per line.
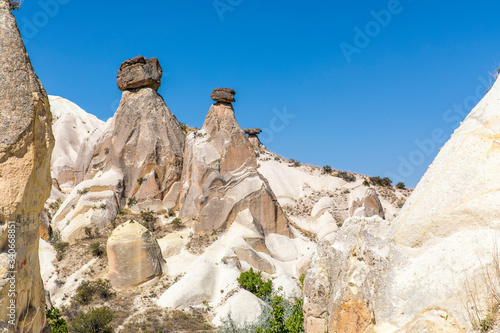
x,y
253,282
97,249
148,215
170,212
132,201
366,183
327,169
294,163
177,223
86,291
56,204
386,181
56,322
348,177
401,185
88,232
94,321
60,247
83,191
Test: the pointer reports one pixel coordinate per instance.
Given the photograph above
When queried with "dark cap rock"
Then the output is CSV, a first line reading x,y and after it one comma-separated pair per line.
x,y
224,95
253,131
139,72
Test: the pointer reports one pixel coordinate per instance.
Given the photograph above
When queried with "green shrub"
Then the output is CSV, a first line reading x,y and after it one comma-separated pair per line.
x,y
94,321
88,232
103,289
253,282
56,204
401,185
346,176
84,293
148,215
327,169
366,183
170,212
177,223
83,191
386,181
487,323
132,201
294,163
60,247
97,249
56,322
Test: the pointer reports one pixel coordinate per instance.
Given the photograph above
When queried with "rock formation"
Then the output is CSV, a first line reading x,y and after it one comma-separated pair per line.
x,y
134,256
412,275
26,144
253,138
139,72
71,126
220,175
135,158
365,203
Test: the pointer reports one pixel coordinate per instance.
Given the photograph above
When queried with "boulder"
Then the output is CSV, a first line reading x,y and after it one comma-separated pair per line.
x,y
26,144
134,256
139,72
224,95
364,202
253,138
220,178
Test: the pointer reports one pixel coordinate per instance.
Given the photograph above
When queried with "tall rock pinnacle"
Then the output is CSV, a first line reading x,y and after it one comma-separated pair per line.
x,y
220,175
26,143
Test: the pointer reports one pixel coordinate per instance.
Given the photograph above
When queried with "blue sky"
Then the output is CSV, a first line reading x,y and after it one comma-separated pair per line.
x,y
414,71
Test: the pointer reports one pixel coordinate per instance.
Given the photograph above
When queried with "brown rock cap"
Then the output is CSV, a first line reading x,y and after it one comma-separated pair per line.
x,y
253,131
224,95
139,72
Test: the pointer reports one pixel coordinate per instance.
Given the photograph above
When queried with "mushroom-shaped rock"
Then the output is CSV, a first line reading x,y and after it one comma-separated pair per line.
x,y
134,256
253,138
224,95
139,72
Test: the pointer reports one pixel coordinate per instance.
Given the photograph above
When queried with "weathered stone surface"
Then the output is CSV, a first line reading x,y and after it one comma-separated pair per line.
x,y
139,72
144,141
26,143
220,178
134,256
365,203
253,131
253,138
224,95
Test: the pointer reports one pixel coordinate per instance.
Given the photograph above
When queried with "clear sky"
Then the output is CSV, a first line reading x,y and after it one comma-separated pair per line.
x,y
374,87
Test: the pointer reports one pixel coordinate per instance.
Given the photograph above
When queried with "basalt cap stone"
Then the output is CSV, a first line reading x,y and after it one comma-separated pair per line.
x,y
139,72
253,131
225,95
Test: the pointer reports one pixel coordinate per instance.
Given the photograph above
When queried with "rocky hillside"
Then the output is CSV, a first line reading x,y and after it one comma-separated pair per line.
x,y
435,268
173,219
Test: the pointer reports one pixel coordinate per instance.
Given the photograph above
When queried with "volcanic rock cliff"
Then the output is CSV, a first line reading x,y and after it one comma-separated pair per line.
x,y
26,144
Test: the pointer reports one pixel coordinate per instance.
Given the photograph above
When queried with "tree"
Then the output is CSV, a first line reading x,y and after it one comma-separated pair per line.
x,y
94,321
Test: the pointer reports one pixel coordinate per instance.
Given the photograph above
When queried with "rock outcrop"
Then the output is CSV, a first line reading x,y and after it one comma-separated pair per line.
x,y
26,144
253,138
139,72
223,95
412,275
71,126
220,177
134,256
365,203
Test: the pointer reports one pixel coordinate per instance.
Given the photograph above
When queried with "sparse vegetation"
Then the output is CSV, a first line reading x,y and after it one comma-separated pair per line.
x,y
88,232
60,247
160,320
56,204
97,249
14,5
184,128
346,176
148,215
386,181
86,291
177,224
401,185
170,213
294,163
83,191
131,201
327,169
141,180
366,183
94,321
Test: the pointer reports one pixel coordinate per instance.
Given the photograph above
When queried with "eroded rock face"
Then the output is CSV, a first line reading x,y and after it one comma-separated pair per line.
x,y
365,203
139,72
220,177
253,138
134,256
26,143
